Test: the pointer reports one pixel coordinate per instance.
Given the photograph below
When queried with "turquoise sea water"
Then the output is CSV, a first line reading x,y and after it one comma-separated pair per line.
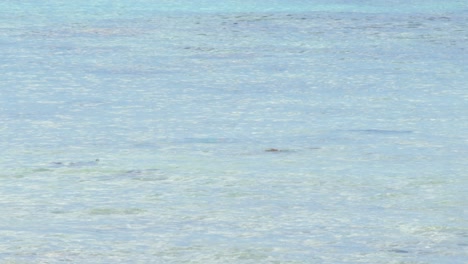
x,y
233,132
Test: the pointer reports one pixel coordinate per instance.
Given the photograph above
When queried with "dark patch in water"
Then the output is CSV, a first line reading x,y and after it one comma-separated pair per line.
x,y
272,150
140,172
278,150
75,164
401,251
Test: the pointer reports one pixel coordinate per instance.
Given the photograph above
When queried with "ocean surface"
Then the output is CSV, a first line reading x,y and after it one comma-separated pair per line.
x,y
234,131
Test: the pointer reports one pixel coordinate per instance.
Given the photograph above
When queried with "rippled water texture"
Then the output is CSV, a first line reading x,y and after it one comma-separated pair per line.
x,y
233,132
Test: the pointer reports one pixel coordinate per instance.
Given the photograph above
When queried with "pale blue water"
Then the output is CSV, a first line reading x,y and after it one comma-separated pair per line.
x,y
233,132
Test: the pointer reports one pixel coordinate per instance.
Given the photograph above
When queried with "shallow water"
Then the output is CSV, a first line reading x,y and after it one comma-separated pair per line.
x,y
233,132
